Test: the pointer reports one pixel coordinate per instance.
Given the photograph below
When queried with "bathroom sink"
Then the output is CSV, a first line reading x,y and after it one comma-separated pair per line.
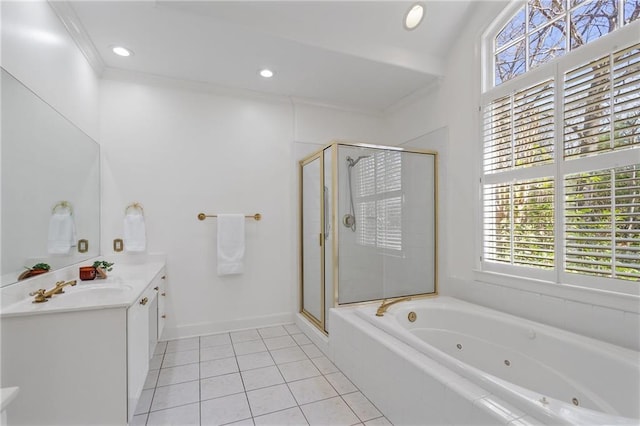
x,y
93,293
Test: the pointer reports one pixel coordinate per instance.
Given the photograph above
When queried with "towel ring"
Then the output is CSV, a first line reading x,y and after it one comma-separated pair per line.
x,y
135,206
62,205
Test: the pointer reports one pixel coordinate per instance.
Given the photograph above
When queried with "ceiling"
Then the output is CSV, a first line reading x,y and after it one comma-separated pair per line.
x,y
349,53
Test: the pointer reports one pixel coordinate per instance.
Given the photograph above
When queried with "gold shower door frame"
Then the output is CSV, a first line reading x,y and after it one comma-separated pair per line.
x,y
320,323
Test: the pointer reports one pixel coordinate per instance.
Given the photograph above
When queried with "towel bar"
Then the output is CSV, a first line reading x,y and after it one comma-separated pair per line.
x,y
203,216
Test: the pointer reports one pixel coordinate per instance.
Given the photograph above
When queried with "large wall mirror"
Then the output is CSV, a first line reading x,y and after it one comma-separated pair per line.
x,y
46,160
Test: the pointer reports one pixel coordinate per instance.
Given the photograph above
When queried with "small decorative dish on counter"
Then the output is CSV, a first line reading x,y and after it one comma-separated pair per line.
x,y
98,270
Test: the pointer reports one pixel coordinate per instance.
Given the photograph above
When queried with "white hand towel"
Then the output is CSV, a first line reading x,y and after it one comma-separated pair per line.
x,y
62,233
230,244
135,233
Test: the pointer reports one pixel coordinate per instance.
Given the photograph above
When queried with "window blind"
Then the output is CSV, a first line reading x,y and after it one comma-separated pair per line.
x,y
378,196
602,104
602,223
519,129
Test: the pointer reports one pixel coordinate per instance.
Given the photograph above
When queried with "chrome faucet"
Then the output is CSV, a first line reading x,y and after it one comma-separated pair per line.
x,y
385,305
42,295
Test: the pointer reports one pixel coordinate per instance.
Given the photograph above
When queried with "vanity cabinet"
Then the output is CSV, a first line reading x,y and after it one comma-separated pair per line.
x,y
81,366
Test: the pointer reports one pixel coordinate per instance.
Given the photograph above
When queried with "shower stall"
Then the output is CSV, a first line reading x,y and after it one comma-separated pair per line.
x,y
367,226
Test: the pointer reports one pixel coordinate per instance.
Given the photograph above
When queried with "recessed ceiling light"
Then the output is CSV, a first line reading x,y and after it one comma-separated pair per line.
x,y
414,16
266,73
121,51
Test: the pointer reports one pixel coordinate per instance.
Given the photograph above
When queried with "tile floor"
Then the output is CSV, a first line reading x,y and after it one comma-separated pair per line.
x,y
267,376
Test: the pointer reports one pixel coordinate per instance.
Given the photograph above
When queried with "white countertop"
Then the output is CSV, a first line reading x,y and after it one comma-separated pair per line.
x,y
123,286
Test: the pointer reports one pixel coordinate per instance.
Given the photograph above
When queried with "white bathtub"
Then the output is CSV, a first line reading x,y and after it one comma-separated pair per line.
x,y
550,375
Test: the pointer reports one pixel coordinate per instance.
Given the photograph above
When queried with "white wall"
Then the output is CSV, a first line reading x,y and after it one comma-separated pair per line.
x,y
454,106
38,51
180,150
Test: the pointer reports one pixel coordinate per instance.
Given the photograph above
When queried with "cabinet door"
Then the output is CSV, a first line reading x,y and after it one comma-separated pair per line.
x,y
137,351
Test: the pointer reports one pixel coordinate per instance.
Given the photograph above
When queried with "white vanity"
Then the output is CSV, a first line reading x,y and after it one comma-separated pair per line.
x,y
82,357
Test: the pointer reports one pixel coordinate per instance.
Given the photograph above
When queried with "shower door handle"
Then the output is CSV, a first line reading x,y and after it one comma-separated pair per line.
x,y
327,223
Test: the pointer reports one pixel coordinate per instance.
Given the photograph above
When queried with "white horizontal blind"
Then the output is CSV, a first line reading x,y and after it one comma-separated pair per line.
x,y
519,223
519,129
378,199
602,223
602,104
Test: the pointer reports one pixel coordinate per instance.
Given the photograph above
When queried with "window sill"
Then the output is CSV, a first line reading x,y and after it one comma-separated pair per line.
x,y
598,297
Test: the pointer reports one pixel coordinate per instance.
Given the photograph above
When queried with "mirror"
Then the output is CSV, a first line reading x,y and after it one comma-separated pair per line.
x,y
46,160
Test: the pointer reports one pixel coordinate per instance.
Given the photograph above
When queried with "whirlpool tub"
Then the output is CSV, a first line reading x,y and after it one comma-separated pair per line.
x,y
446,361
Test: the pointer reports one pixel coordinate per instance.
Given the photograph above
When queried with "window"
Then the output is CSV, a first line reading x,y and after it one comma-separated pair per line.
x,y
545,29
561,157
378,198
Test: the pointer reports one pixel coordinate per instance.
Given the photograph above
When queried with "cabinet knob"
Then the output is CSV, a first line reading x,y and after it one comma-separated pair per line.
x,y
164,277
144,301
164,316
156,288
163,293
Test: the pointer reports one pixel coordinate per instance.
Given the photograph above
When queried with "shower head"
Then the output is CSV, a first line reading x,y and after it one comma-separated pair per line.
x,y
351,162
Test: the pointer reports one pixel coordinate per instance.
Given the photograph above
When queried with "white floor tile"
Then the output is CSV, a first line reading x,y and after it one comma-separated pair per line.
x,y
341,384
215,340
298,370
175,395
215,387
292,329
218,367
289,417
257,360
183,344
216,352
280,356
244,336
301,339
139,420
173,359
179,374
280,342
324,365
151,380
224,410
268,400
312,390
360,405
144,403
261,378
312,351
250,347
380,421
186,415
334,412
276,331
245,422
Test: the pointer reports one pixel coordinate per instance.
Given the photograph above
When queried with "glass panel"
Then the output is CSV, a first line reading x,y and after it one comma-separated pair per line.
x,y
387,228
543,11
592,21
514,29
631,10
311,228
547,43
510,62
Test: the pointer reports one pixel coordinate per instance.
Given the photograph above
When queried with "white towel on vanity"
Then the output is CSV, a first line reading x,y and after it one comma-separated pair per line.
x,y
135,233
230,244
62,233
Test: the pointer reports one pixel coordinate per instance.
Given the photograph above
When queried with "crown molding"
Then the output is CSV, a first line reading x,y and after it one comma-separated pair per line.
x,y
64,11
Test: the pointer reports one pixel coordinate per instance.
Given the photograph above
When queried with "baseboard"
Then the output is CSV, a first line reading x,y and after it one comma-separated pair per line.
x,y
316,336
203,329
